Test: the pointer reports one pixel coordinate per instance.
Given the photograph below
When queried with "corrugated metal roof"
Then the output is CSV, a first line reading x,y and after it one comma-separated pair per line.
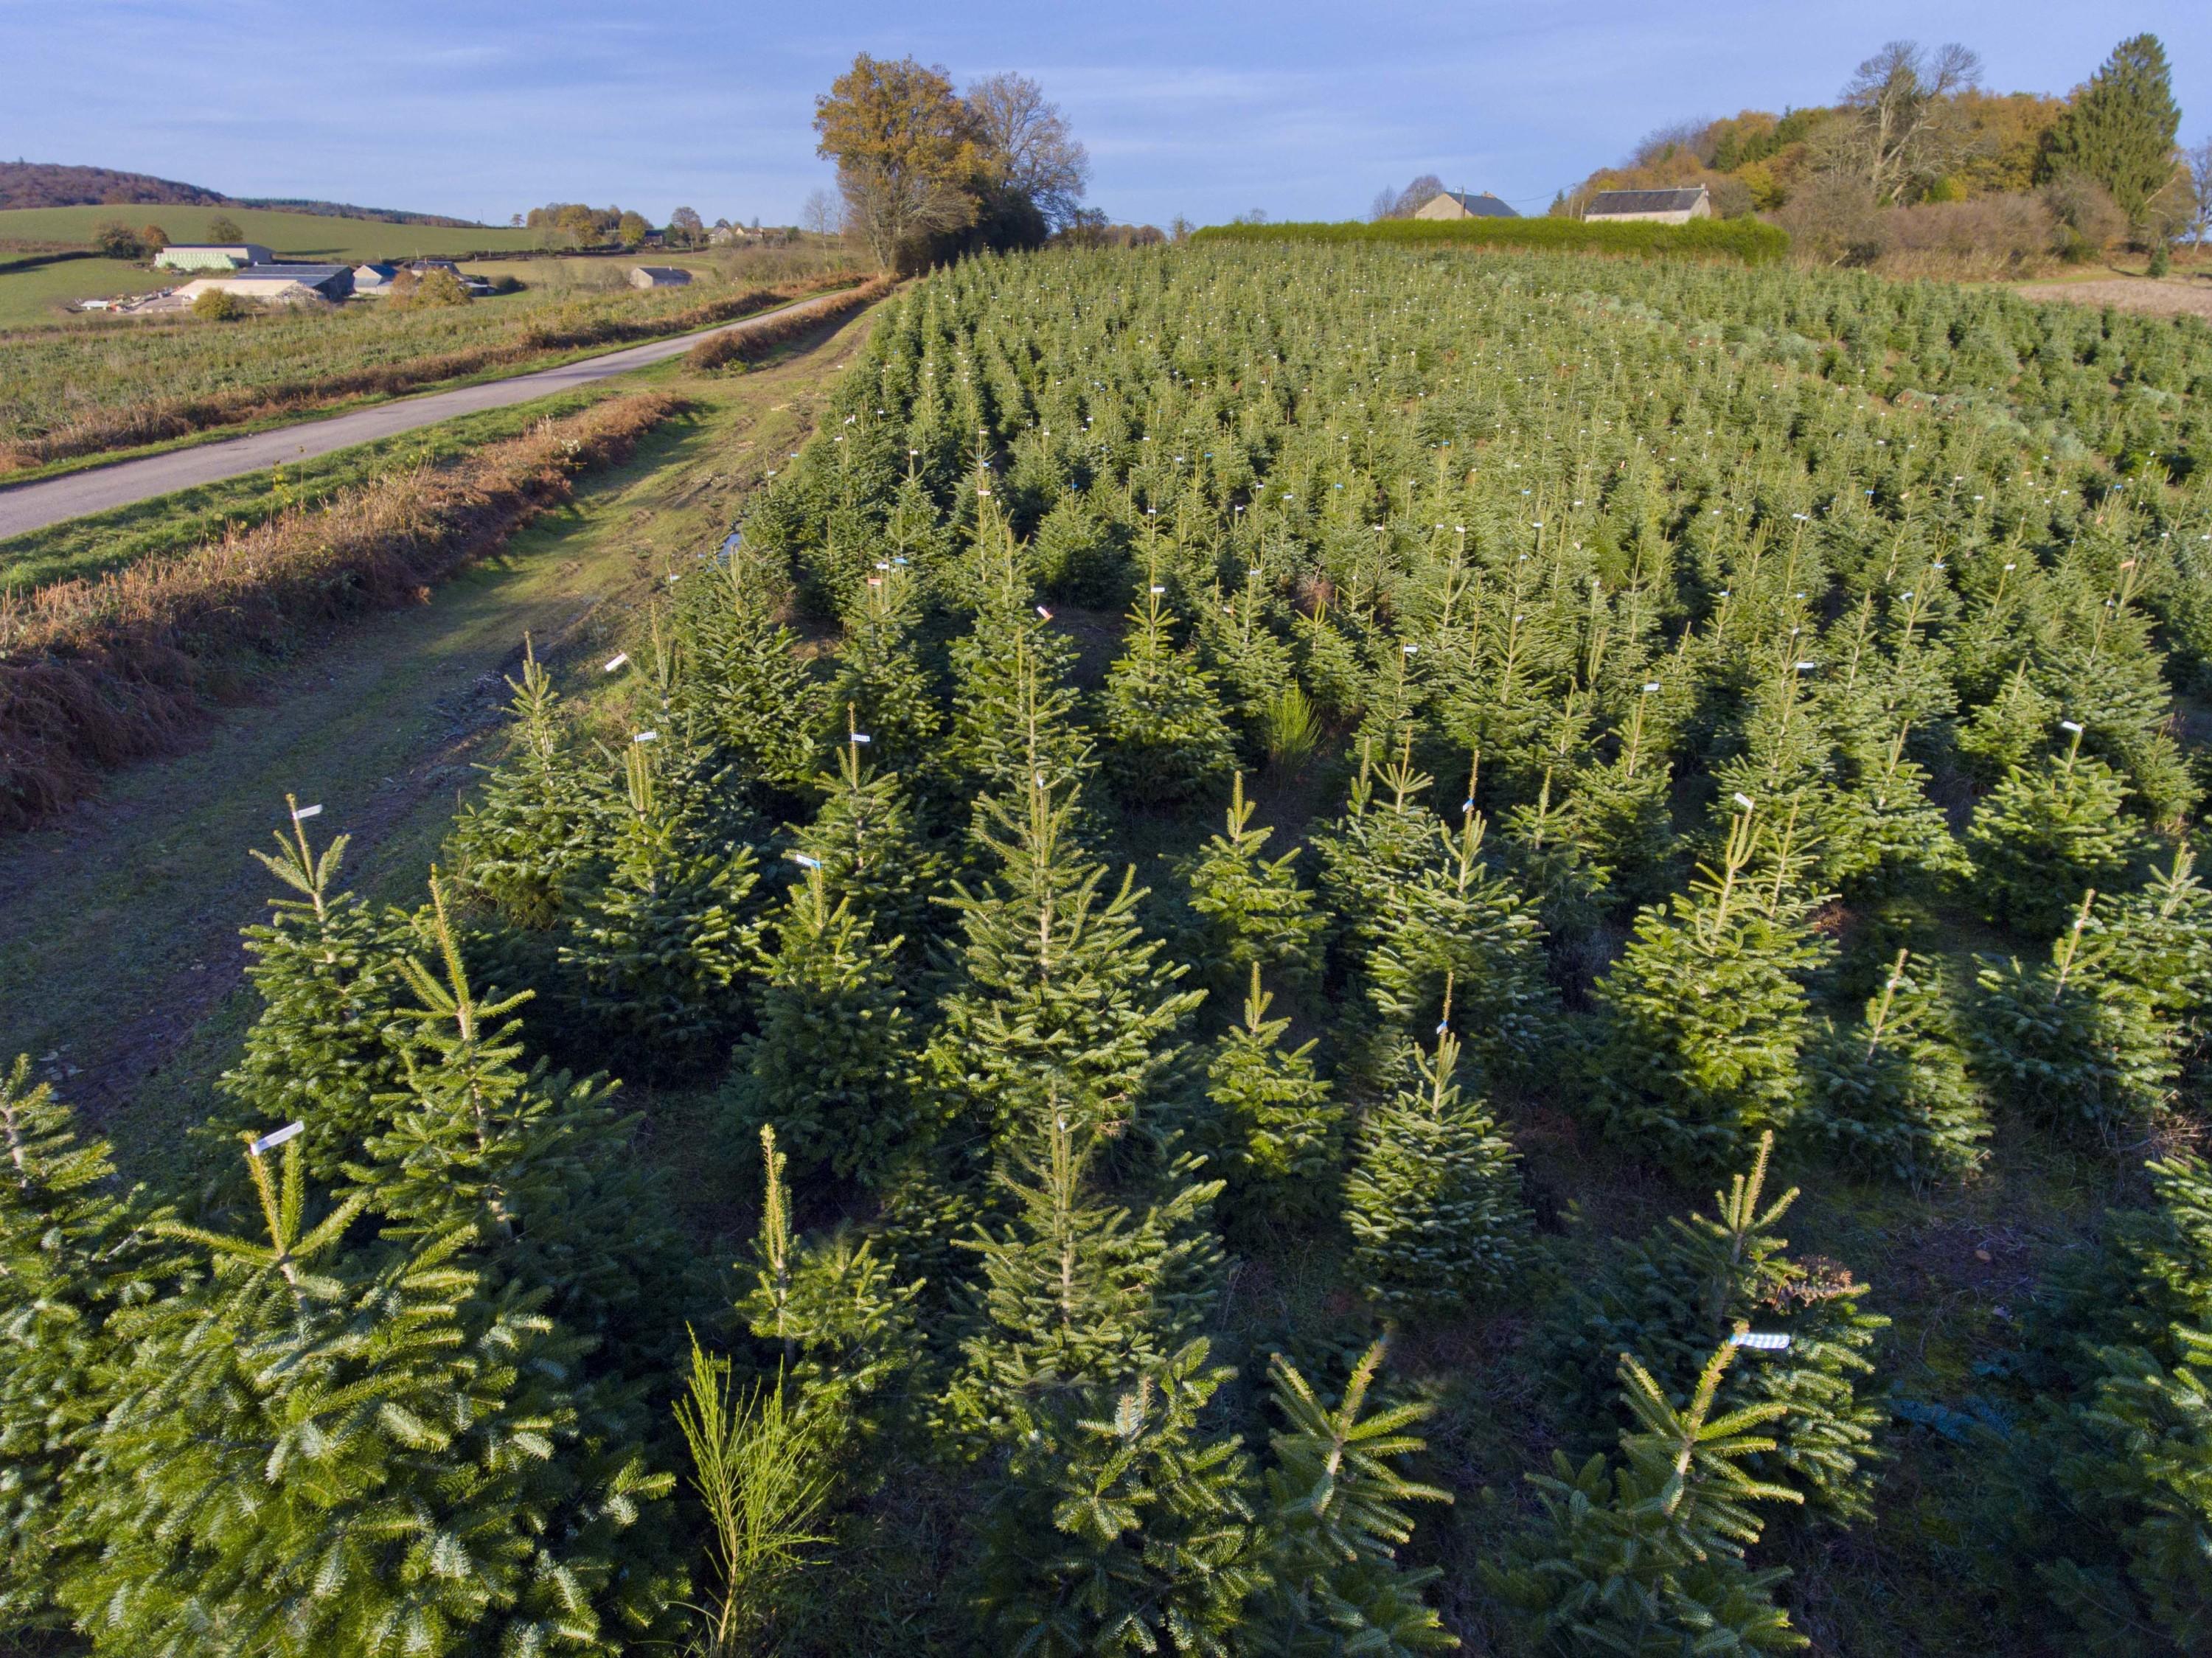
x,y
1644,201
1484,205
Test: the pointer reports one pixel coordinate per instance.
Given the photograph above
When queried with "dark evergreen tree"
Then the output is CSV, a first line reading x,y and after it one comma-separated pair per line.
x,y
2073,1045
1648,1557
748,692
307,1454
533,836
1281,1135
1706,1017
881,685
2119,128
1252,913
1891,1092
868,840
1433,1200
1126,1533
325,1048
1697,1282
68,1258
1334,1520
657,950
2047,834
1160,722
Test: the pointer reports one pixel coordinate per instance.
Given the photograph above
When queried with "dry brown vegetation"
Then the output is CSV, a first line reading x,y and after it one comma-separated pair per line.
x,y
101,430
752,344
95,672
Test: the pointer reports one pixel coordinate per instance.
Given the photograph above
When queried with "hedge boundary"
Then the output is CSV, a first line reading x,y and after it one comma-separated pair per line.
x,y
1751,240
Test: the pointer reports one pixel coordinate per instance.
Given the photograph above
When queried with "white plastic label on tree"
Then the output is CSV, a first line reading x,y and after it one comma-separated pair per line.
x,y
804,862
646,737
301,813
1411,650
1760,1341
862,737
1159,590
2070,726
1043,612
620,659
276,1137
1805,667
1650,685
1744,800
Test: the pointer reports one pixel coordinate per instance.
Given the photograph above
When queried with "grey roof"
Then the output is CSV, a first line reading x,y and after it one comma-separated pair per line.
x,y
1644,201
386,271
673,272
309,274
1484,205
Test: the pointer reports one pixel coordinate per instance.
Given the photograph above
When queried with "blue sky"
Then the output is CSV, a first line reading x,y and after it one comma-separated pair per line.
x,y
1302,109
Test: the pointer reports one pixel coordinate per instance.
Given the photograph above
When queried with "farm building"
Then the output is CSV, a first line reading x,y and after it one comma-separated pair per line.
x,y
1458,205
373,281
212,256
1664,206
283,284
659,275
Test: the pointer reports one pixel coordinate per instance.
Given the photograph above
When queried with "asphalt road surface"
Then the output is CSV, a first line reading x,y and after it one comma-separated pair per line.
x,y
30,507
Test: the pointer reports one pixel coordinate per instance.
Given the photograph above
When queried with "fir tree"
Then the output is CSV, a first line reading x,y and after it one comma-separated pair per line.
x,y
1891,1091
865,838
531,837
1433,1200
1164,736
1127,1533
750,692
1696,1282
1648,1557
308,1456
2073,1045
1064,997
1367,854
657,950
1252,913
2045,836
1013,711
1334,1520
325,1046
881,684
1077,1293
2119,128
1282,1136
532,1163
2159,939
833,1064
842,1325
1704,1018
66,1263
1886,837
1620,814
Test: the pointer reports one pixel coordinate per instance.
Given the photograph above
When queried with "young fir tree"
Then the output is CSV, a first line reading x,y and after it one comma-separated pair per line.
x,y
1281,1135
2107,1505
881,682
1648,1556
1459,921
833,1064
1063,998
1335,1519
1252,913
748,690
2045,836
657,949
1886,838
2159,939
1705,1016
325,1048
1162,725
68,1260
1891,1092
2073,1045
840,1324
1013,710
865,838
1076,1292
1366,855
1433,1200
1620,814
307,1453
1697,1282
1126,1532
535,1165
1555,862
533,837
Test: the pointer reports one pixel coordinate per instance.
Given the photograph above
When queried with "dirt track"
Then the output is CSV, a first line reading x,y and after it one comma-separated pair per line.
x,y
2175,297
34,505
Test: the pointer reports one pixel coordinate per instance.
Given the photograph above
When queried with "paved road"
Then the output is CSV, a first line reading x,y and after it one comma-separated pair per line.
x,y
30,507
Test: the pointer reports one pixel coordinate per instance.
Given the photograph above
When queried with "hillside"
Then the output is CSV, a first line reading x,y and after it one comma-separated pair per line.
x,y
291,232
50,184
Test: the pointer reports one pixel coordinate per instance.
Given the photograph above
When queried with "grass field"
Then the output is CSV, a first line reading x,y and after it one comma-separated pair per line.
x,y
295,235
138,898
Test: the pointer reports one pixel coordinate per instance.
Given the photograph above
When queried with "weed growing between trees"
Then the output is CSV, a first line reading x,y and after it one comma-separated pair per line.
x,y
1153,1090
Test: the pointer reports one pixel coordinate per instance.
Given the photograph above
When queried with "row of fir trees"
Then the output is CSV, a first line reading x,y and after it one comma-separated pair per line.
x,y
1220,794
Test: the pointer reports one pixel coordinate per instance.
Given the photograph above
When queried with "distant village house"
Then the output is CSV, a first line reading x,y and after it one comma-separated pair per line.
x,y
659,275
1660,206
1458,205
212,256
280,285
